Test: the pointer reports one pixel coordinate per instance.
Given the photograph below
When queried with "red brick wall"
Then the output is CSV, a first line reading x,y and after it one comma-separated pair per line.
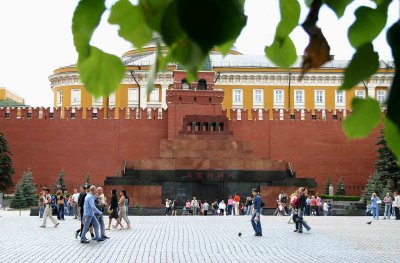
x,y
315,148
146,196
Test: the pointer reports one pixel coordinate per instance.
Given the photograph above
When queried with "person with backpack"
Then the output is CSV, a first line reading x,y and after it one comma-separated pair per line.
x,y
299,205
60,205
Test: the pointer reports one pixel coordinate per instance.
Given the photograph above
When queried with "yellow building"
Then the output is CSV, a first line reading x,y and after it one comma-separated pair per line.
x,y
249,82
10,99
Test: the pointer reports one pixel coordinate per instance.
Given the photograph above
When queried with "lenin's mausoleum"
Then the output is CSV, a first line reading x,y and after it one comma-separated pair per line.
x,y
245,123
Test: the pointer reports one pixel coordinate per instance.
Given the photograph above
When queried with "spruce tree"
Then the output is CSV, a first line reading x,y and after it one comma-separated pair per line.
x,y
386,164
374,185
6,165
60,183
25,192
340,188
387,189
327,184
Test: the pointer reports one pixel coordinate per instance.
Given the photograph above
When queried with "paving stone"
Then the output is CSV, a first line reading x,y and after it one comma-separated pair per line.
x,y
202,239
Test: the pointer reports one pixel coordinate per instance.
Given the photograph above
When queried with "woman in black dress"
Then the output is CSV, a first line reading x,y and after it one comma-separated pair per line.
x,y
113,210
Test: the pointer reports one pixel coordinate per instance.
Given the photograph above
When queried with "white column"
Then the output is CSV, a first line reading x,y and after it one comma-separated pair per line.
x,y
143,95
371,92
164,96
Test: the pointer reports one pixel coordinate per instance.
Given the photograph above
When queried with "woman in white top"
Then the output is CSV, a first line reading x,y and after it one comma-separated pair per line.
x,y
167,206
122,209
222,208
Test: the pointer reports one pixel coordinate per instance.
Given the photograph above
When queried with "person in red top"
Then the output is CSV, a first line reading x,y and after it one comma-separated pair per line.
x,y
236,203
313,205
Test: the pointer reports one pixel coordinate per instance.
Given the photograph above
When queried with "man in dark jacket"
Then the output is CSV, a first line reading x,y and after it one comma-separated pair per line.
x,y
301,205
255,219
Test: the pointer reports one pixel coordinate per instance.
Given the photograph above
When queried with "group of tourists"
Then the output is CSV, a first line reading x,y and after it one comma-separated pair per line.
x,y
314,206
233,206
392,206
89,205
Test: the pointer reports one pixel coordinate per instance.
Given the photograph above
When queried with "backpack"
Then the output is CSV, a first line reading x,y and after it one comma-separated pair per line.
x,y
295,202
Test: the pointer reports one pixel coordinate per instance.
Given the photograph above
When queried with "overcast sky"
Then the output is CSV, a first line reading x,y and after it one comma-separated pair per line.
x,y
36,38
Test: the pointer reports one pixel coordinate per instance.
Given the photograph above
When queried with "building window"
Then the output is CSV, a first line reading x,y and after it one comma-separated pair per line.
x,y
59,97
29,115
340,100
278,96
76,97
111,100
133,96
319,96
51,115
360,94
97,102
258,97
381,96
155,95
237,97
299,96
319,99
94,115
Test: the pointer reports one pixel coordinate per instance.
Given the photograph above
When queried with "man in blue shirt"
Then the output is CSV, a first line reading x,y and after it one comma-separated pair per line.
x,y
89,216
255,219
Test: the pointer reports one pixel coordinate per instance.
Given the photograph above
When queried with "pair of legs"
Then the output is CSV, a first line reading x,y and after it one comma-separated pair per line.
x,y
90,220
174,211
256,224
118,222
375,212
388,211
60,212
122,215
300,222
47,214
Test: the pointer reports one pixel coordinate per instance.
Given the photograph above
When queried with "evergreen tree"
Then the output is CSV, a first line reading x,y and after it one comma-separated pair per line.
x,y
25,192
386,164
6,165
327,184
87,180
340,188
374,185
387,189
60,183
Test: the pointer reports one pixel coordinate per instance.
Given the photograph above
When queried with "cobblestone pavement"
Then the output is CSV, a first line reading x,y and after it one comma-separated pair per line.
x,y
203,239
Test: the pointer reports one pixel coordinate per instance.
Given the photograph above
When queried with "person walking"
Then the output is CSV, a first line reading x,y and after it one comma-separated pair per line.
x,y
230,205
47,209
60,205
375,205
122,208
175,206
236,203
397,205
167,206
90,210
388,206
75,197
248,205
113,210
100,204
326,209
206,206
194,205
255,219
301,205
222,208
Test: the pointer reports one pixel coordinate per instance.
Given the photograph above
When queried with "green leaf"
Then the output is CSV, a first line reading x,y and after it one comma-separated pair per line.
x,y
188,53
290,14
86,18
393,112
226,47
364,63
369,23
171,29
211,23
101,73
153,11
392,136
338,6
131,21
282,52
366,115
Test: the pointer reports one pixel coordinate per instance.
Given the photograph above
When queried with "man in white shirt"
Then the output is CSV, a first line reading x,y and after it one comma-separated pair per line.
x,y
75,197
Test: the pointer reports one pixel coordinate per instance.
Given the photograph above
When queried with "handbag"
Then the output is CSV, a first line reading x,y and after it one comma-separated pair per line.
x,y
379,201
110,211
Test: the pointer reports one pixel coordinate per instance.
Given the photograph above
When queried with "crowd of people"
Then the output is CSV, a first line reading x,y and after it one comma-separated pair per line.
x,y
232,206
391,206
89,205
